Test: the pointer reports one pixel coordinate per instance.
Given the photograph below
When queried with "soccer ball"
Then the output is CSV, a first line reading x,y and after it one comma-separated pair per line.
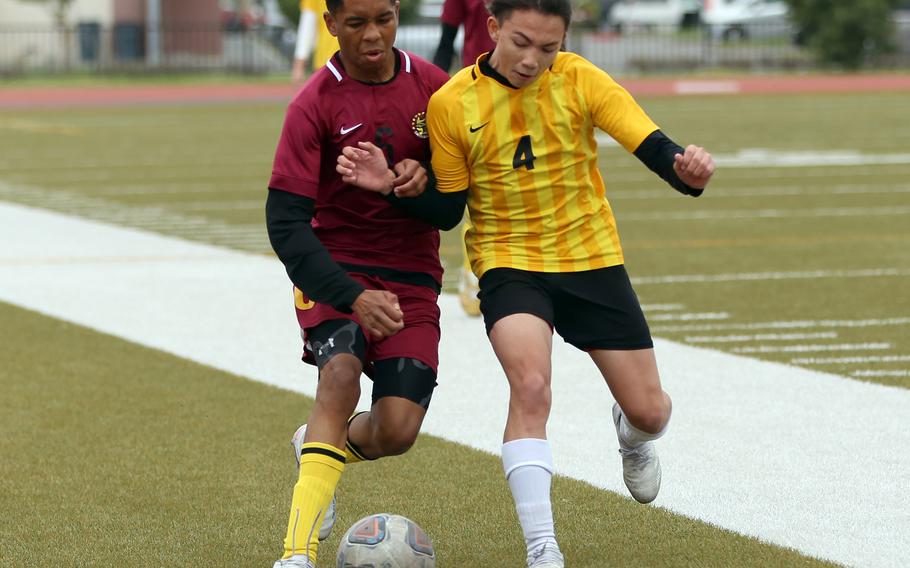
x,y
386,541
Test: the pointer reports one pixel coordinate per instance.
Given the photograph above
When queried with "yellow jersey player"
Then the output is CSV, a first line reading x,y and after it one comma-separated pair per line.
x,y
513,137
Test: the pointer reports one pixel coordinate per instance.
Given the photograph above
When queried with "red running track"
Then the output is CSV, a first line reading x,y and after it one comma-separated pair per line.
x,y
68,97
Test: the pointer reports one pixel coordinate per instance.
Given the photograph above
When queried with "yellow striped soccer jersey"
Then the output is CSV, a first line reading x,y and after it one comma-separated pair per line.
x,y
528,156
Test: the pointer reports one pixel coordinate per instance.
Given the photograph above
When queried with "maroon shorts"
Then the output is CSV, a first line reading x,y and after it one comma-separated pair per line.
x,y
418,340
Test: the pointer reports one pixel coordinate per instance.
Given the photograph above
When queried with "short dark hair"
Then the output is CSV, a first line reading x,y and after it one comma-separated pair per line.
x,y
333,5
502,9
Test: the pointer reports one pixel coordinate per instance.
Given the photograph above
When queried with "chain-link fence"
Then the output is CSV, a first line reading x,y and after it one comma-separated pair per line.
x,y
90,47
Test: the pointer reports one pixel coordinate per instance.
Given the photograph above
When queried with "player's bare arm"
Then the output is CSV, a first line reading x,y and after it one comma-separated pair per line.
x,y
694,167
379,313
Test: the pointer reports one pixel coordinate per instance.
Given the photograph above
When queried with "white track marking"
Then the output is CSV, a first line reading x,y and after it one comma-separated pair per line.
x,y
757,214
690,316
759,276
875,373
849,360
768,158
768,450
794,324
760,337
756,349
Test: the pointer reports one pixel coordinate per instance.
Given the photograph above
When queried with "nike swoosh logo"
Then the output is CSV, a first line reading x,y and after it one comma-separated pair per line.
x,y
351,129
475,129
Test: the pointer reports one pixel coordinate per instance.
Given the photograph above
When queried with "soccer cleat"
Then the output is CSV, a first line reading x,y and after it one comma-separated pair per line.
x,y
296,561
546,556
640,465
328,521
468,287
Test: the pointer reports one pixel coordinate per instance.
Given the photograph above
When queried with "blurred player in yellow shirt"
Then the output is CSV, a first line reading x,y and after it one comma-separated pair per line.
x,y
315,45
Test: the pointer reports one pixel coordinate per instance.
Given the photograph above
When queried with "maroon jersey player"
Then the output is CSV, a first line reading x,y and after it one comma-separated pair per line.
x,y
364,266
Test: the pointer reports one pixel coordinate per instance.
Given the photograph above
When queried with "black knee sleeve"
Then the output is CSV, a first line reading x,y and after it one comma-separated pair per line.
x,y
403,377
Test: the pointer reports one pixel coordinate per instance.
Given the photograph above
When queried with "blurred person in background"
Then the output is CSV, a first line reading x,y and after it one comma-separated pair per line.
x,y
473,15
315,45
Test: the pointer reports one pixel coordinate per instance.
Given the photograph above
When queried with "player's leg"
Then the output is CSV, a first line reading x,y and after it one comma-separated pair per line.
x,y
404,376
599,312
339,348
517,313
641,414
402,388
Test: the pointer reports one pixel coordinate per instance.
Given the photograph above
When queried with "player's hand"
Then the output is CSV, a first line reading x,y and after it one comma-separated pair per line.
x,y
365,167
379,313
411,179
695,167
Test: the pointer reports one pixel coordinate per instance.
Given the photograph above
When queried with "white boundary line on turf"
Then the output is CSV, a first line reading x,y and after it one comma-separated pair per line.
x,y
794,324
768,450
758,276
756,349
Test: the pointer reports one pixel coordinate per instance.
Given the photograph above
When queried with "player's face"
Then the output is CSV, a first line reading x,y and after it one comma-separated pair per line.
x,y
527,42
366,32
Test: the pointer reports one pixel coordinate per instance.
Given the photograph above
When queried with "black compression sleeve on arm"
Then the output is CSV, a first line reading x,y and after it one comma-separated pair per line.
x,y
657,152
442,210
446,50
306,260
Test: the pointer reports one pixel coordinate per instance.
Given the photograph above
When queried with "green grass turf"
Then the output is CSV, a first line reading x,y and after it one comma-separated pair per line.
x,y
120,455
200,173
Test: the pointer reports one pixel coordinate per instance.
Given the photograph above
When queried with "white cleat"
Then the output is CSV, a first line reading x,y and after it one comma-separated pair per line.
x,y
546,556
640,465
328,521
296,561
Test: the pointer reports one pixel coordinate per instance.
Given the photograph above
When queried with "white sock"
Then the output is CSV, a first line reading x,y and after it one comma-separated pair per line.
x,y
528,465
633,437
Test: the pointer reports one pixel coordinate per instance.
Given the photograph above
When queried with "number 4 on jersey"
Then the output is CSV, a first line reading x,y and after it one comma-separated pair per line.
x,y
524,155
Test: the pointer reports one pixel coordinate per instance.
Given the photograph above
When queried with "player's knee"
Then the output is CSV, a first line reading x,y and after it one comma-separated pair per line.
x,y
396,439
651,417
339,380
531,392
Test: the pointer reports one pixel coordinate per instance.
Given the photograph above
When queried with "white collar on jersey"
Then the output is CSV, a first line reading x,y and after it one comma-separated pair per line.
x,y
337,74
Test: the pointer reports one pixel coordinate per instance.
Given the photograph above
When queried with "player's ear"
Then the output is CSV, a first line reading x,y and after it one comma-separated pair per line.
x,y
330,23
493,28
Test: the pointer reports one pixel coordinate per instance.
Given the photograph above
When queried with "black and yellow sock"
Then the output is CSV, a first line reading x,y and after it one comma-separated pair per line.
x,y
352,453
321,466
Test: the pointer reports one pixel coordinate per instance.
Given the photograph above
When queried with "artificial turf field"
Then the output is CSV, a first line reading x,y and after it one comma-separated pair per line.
x,y
124,454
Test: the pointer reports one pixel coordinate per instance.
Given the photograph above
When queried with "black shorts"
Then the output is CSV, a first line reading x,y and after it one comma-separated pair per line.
x,y
594,309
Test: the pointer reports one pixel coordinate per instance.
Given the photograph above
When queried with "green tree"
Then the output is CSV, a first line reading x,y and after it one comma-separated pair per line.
x,y
407,10
846,34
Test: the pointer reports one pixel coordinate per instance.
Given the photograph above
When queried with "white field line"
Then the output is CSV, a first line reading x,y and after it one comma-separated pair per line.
x,y
874,373
759,276
850,360
750,448
768,158
794,324
662,307
812,348
769,191
697,316
760,337
756,214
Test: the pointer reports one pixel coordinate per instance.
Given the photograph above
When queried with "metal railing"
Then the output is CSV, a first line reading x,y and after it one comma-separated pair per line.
x,y
89,47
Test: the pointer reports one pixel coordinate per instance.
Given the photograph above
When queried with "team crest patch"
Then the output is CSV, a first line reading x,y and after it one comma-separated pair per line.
x,y
419,125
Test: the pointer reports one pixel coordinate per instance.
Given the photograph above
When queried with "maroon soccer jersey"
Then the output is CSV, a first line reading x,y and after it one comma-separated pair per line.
x,y
473,15
333,111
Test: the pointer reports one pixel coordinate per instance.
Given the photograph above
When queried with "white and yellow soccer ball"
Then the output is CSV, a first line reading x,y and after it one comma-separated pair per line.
x,y
386,541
